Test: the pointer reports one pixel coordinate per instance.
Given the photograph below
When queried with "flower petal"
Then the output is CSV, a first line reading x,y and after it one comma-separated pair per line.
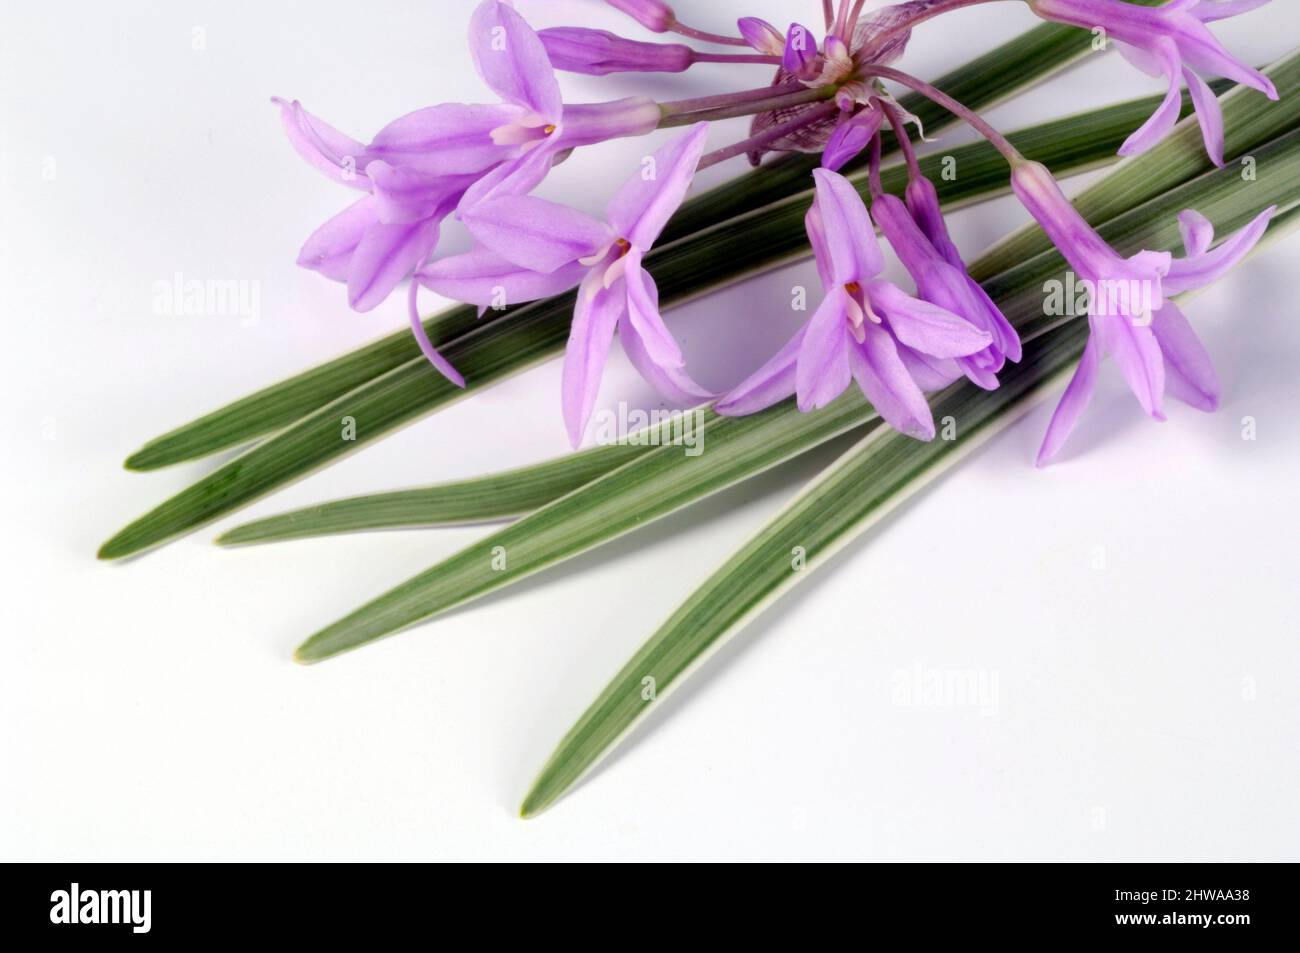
x,y
484,278
342,158
1166,115
1073,401
535,233
850,238
643,313
512,60
1208,114
1134,350
595,316
822,370
642,207
1201,50
449,139
422,339
404,195
885,382
673,383
930,373
1197,271
1197,232
770,384
518,176
386,255
924,326
329,249
1189,372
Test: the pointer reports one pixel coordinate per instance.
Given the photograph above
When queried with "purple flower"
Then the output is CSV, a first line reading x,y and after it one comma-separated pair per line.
x,y
850,137
799,57
1128,316
947,286
597,52
762,36
865,329
1171,41
654,15
427,164
531,248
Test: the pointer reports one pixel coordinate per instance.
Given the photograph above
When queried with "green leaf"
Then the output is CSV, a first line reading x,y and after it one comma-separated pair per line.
x,y
735,449
846,500
723,254
497,496
1004,71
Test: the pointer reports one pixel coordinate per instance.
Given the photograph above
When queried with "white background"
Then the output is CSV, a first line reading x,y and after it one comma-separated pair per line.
x,y
1146,704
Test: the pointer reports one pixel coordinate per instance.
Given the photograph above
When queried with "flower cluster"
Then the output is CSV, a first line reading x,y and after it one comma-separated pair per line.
x,y
480,164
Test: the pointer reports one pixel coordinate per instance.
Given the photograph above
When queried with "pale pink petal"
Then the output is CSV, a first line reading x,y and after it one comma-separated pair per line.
x,y
451,139
1208,114
512,60
1189,372
484,278
643,313
535,233
342,158
422,339
1197,271
1166,115
850,238
386,255
885,382
770,384
595,316
1073,401
641,208
822,370
329,249
925,326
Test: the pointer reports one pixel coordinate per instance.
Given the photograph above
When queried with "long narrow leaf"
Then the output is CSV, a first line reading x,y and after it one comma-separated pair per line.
x,y
683,270
497,496
999,74
666,480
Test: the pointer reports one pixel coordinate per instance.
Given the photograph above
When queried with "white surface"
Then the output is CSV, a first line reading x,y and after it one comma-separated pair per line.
x,y
1136,603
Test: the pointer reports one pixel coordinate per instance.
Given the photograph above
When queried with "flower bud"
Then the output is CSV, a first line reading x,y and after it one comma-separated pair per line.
x,y
800,53
597,52
654,15
762,36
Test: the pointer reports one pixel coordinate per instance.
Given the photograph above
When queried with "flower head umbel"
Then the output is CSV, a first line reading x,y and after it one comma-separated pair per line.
x,y
866,329
1171,41
530,247
1128,315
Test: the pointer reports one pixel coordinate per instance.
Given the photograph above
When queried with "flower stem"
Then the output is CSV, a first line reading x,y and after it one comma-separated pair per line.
x,y
698,57
904,140
972,118
681,29
771,134
728,107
